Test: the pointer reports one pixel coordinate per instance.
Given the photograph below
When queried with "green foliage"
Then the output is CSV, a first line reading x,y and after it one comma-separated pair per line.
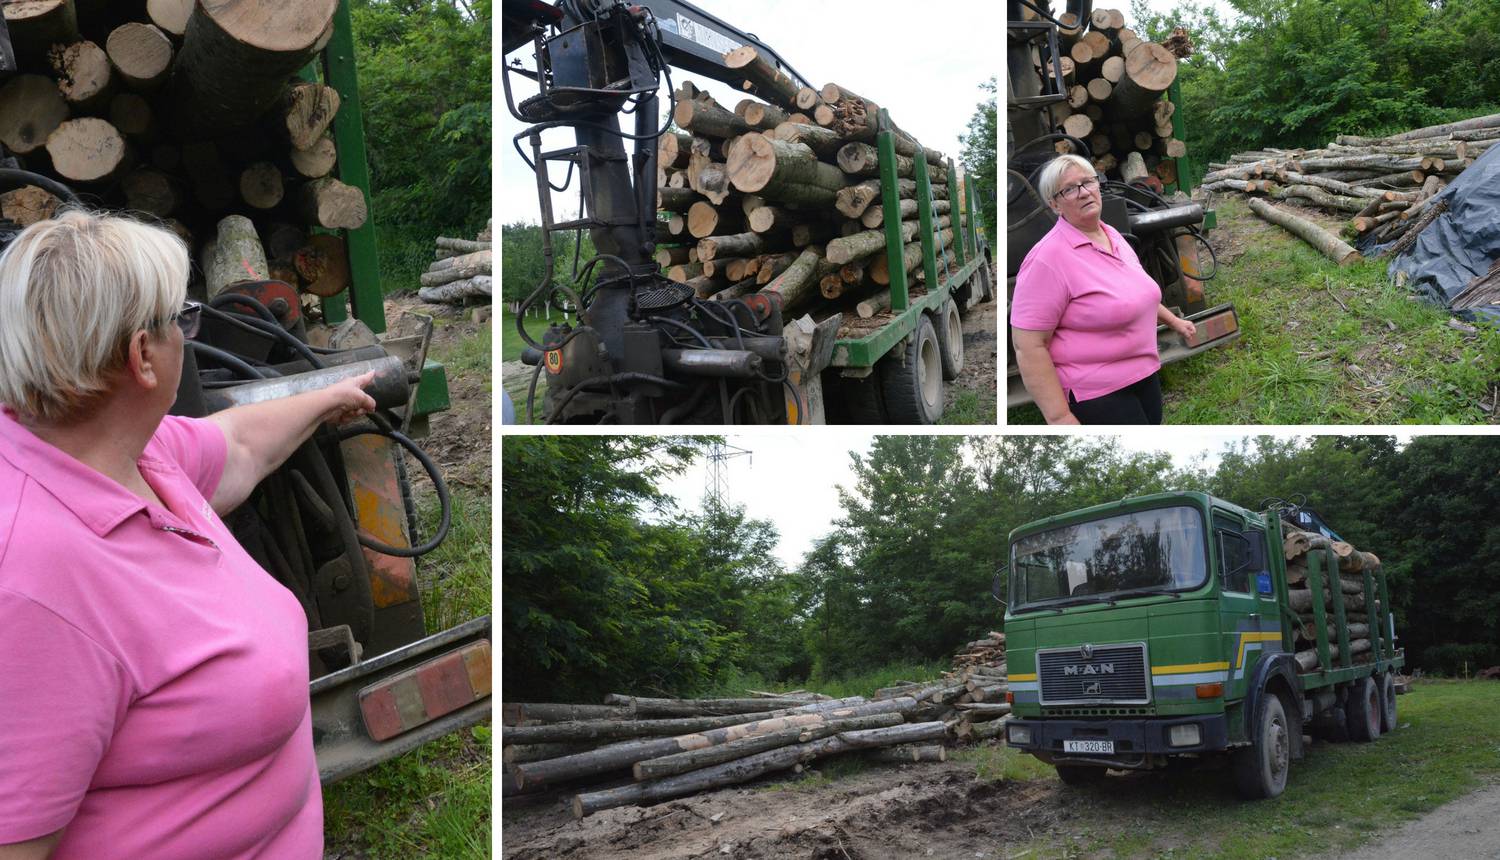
x,y
523,265
424,76
981,160
1296,73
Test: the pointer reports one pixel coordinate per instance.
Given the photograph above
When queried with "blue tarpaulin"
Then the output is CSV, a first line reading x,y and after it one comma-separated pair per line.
x,y
1460,244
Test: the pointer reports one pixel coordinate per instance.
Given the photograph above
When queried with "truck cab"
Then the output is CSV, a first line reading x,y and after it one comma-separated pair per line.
x,y
1154,630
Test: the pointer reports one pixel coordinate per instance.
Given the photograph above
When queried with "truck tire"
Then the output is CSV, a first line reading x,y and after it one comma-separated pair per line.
x,y
1364,711
859,401
1388,703
912,382
950,333
1260,769
1079,775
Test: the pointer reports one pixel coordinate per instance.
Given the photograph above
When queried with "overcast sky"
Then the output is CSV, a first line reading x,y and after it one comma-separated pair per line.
x,y
793,479
923,62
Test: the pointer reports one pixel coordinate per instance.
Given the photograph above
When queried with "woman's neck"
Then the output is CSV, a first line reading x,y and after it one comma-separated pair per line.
x,y
106,441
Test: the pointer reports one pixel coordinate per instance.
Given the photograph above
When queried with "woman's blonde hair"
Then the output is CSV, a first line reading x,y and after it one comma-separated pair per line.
x,y
1052,174
73,290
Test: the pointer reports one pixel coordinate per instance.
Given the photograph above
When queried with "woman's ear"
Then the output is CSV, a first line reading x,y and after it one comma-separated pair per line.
x,y
141,361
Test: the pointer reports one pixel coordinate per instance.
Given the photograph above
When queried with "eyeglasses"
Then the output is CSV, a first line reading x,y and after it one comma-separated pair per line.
x,y
188,318
1073,192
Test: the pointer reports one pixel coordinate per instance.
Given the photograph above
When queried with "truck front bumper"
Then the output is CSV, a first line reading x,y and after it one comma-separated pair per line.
x,y
1133,739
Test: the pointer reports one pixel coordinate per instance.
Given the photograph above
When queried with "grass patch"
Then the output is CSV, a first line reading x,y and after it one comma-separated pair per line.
x,y
466,356
1322,344
511,343
969,408
997,761
433,802
456,577
1339,797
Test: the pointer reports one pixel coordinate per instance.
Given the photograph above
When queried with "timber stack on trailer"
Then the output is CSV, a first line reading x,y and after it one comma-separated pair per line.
x,y
784,196
1351,602
1116,83
1384,187
192,114
970,700
676,747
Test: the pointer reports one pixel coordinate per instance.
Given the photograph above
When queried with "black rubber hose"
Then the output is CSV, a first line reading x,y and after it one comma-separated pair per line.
x,y
383,428
230,360
260,326
247,301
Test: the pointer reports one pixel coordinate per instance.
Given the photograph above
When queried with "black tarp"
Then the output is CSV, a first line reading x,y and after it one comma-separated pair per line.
x,y
1460,244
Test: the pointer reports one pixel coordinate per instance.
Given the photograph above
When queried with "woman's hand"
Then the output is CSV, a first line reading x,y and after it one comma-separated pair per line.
x,y
1065,418
1183,327
347,400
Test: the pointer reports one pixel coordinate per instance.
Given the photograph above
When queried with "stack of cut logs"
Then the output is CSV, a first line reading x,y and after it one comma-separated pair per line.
x,y
676,747
1115,82
1384,185
192,114
782,195
462,272
969,700
1351,584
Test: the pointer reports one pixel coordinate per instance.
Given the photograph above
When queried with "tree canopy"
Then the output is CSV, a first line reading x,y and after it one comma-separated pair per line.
x,y
608,587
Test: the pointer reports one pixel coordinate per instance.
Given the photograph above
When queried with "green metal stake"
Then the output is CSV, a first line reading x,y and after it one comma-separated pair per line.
x,y
890,198
1187,170
955,218
1336,590
349,136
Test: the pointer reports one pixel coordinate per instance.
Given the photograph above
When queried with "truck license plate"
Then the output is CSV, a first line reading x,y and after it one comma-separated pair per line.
x,y
1096,747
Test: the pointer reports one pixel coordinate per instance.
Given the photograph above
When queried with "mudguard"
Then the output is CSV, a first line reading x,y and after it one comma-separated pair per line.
x,y
1282,664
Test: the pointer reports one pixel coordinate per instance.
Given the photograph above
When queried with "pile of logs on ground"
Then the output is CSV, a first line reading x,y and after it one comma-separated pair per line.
x,y
639,751
190,113
1115,82
462,271
1384,186
970,700
1351,584
781,194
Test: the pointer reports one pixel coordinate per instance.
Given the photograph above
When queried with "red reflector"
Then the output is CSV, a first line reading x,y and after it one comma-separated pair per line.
x,y
421,694
1010,698
1210,691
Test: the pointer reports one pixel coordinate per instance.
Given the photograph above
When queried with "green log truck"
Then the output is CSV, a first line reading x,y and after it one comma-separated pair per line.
x,y
1161,631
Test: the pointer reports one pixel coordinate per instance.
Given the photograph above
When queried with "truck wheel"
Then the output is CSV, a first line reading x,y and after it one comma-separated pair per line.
x,y
1364,711
914,388
1260,769
1073,774
950,333
860,401
1388,703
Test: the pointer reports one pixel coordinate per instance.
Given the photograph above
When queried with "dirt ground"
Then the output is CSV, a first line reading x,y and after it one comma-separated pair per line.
x,y
459,438
981,348
1462,828
887,813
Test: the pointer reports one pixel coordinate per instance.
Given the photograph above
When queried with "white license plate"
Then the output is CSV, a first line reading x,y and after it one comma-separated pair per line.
x,y
1095,747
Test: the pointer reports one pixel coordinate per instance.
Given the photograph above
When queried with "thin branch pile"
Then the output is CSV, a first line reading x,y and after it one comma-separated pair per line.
x,y
782,195
193,114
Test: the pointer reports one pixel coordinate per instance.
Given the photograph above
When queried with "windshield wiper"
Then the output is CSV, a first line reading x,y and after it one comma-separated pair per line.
x,y
1144,592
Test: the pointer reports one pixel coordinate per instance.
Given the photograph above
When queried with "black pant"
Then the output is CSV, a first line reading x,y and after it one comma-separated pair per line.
x,y
1138,403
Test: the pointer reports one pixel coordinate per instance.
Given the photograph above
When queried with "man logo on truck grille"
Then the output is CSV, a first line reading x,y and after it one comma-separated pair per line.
x,y
1091,689
1090,669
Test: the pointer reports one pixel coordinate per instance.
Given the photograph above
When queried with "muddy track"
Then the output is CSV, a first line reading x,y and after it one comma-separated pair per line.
x,y
905,811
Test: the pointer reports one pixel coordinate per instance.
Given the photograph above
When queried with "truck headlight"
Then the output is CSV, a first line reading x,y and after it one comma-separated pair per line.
x,y
1018,735
1184,736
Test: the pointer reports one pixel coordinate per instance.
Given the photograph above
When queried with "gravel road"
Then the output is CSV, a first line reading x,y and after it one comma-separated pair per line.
x,y
1465,828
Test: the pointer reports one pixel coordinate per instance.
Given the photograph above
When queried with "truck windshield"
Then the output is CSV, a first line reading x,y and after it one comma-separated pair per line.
x,y
1160,550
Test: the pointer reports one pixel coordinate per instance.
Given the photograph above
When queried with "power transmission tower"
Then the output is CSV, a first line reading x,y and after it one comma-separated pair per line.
x,y
717,482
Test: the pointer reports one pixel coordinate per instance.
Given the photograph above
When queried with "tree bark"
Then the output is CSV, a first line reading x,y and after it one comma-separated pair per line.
x,y
765,80
676,199
799,282
734,245
330,203
456,292
522,753
710,119
307,110
27,205
31,108
862,159
1322,198
1308,660
1149,70
237,255
1491,121
694,759
864,243
237,56
1328,244
781,171
141,53
750,767
771,219
823,141
458,268
763,116
87,149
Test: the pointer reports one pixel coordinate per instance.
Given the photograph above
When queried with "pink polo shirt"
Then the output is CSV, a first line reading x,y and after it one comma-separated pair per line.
x,y
153,678
1101,308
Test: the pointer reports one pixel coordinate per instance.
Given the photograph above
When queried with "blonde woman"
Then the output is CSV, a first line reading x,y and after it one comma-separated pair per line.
x,y
1084,314
153,683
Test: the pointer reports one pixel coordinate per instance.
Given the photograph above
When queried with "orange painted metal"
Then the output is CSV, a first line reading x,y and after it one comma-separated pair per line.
x,y
376,489
1187,252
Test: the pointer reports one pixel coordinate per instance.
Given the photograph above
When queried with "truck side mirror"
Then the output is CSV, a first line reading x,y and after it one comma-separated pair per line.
x,y
997,585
